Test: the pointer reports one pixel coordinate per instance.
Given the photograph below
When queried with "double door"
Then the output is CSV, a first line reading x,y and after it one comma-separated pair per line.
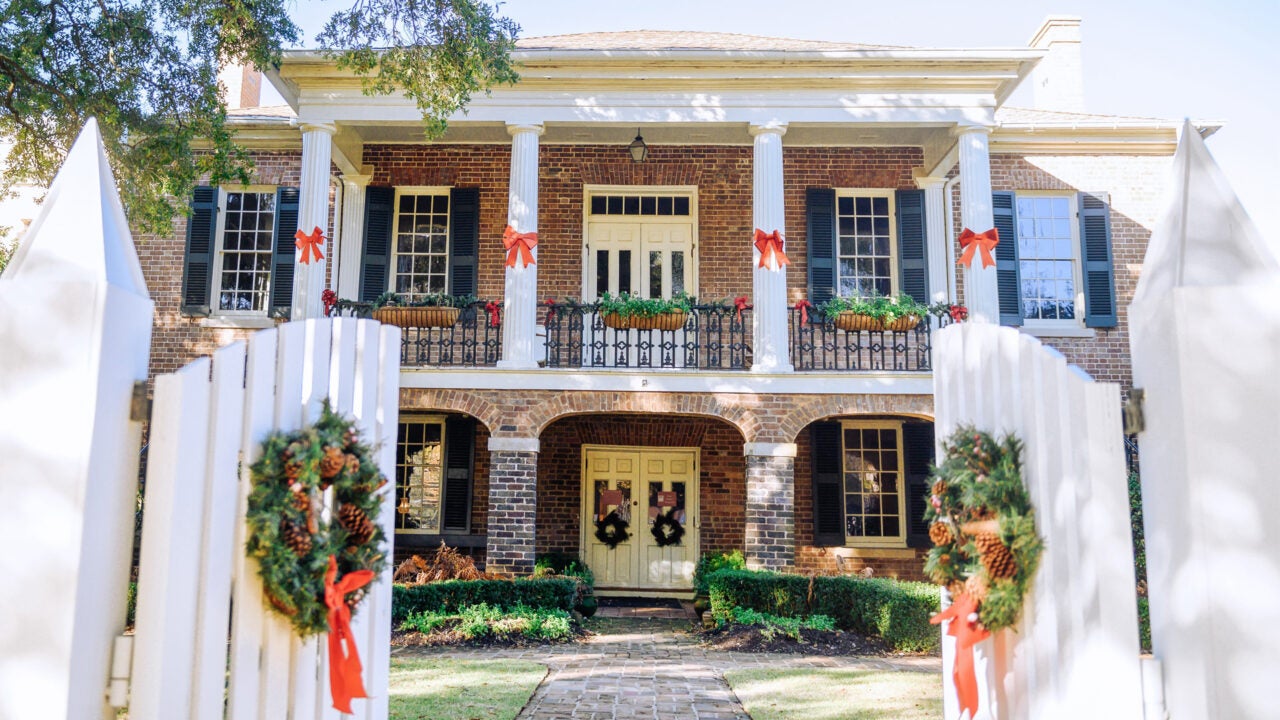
x,y
640,487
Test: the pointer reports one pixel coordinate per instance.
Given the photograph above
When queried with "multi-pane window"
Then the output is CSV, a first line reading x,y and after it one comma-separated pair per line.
x,y
419,474
247,225
656,205
873,482
422,243
641,245
1047,252
864,250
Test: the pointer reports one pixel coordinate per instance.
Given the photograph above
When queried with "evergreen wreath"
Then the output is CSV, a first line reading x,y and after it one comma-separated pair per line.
x,y
982,525
666,529
612,530
289,534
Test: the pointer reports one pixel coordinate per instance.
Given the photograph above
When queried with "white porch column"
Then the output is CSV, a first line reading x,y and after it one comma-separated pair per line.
x,y
935,230
351,252
769,317
520,298
313,212
980,293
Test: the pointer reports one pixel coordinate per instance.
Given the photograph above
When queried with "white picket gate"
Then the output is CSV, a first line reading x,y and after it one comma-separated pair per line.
x,y
1075,653
195,580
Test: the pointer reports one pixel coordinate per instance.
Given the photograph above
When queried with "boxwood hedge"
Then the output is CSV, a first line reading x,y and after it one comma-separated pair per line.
x,y
451,595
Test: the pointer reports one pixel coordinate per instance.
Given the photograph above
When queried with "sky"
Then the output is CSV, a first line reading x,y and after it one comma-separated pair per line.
x,y
1169,59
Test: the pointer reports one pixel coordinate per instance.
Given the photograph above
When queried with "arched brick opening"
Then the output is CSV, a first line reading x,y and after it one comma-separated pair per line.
x,y
568,404
465,402
821,407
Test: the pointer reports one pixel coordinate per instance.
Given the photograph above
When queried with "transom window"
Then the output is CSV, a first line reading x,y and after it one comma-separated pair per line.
x,y
246,228
640,244
1047,251
419,474
873,482
865,243
655,205
422,242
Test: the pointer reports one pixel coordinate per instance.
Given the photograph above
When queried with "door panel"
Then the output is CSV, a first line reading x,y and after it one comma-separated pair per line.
x,y
668,489
612,477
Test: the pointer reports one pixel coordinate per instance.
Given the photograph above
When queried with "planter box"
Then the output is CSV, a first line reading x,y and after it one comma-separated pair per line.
x,y
853,322
666,321
417,317
902,324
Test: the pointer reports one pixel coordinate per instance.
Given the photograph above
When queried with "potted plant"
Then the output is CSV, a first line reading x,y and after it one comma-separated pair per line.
x,y
852,314
623,311
434,310
901,314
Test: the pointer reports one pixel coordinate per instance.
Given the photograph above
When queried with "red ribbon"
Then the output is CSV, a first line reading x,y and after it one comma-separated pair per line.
x,y
345,671
312,246
519,244
491,307
986,242
329,298
967,634
959,313
803,306
770,245
740,303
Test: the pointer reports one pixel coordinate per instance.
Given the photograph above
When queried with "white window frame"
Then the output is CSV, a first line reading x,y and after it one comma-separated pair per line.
x,y
894,288
417,190
899,541
1048,327
215,300
590,190
424,419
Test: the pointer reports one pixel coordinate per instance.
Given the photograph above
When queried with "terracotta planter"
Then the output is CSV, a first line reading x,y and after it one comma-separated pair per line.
x,y
417,317
673,320
903,324
853,322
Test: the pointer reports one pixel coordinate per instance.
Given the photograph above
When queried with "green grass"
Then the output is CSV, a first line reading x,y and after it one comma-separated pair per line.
x,y
444,689
837,694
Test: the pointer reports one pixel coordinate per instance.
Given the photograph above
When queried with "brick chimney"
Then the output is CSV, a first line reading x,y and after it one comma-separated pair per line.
x,y
1057,83
242,86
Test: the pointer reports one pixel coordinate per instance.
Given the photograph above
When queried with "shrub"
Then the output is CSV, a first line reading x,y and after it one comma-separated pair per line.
x,y
771,625
897,611
711,562
482,620
131,605
452,595
1139,560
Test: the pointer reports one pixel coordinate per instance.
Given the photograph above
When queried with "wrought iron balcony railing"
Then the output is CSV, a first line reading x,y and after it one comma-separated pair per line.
x,y
818,345
473,341
712,337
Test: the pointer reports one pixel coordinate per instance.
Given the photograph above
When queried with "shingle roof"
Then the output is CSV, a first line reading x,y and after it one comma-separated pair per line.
x,y
686,40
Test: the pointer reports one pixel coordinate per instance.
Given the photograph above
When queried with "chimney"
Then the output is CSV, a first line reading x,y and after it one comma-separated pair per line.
x,y
242,86
1057,83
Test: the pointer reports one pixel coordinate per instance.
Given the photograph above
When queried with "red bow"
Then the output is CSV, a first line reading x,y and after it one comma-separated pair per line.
x,y
740,303
970,241
958,313
329,298
803,306
770,245
967,634
345,681
519,244
491,307
312,246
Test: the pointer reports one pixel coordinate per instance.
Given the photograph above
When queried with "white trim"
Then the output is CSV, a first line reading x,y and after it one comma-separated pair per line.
x,y
589,190
514,444
416,191
891,194
242,321
899,541
1059,332
227,318
768,449
1057,328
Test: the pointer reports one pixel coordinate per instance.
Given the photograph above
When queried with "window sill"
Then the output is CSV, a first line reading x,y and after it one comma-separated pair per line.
x,y
238,322
882,553
1066,331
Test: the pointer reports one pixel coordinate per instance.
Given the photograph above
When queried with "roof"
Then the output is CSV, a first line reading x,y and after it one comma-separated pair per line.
x,y
1035,116
658,40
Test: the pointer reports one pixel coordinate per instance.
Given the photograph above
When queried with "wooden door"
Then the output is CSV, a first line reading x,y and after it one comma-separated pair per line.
x,y
611,479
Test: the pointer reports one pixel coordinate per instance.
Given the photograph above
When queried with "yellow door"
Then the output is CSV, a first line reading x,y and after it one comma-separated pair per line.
x,y
609,492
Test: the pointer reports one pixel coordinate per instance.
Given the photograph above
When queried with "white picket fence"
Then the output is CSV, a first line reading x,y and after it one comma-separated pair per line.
x,y
1075,653
195,580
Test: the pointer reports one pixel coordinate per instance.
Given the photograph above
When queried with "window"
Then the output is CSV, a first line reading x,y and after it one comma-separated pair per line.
x,y
421,265
873,482
865,262
246,228
1047,253
640,244
420,474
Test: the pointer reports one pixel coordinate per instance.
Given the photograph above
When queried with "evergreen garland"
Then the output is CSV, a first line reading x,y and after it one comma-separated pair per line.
x,y
612,530
983,526
666,529
288,532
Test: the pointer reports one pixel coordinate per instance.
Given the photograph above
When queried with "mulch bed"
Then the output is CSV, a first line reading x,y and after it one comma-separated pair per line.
x,y
748,638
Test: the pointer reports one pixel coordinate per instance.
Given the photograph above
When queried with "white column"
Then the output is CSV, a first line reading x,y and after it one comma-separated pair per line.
x,y
935,230
313,212
980,293
351,252
520,298
769,316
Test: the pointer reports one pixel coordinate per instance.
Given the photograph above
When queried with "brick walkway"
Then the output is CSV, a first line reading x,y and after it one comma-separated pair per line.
x,y
639,667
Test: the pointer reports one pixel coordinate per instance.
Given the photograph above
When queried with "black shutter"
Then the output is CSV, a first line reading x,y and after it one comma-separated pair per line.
x,y
285,248
828,484
464,239
917,451
375,260
1004,209
197,269
1097,266
912,259
820,210
459,456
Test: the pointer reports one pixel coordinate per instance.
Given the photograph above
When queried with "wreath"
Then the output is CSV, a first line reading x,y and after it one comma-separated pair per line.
x,y
290,535
666,529
983,526
612,529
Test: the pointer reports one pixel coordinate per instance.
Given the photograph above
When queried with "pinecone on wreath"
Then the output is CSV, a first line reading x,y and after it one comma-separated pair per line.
x,y
359,527
939,487
352,463
300,500
293,470
295,537
996,557
940,533
332,462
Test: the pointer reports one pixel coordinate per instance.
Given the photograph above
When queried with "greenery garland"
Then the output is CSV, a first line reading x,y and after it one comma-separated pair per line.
x,y
612,530
666,529
288,532
983,526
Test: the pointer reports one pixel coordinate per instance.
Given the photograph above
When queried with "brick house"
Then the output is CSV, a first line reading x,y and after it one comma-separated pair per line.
x,y
806,446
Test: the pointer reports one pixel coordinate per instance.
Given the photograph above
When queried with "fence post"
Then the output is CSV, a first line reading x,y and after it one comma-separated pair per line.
x,y
75,334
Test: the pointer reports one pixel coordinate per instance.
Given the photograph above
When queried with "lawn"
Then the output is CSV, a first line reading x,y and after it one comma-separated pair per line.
x,y
837,694
437,689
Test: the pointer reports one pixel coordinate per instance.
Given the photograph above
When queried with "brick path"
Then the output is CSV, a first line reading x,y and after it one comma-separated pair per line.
x,y
645,667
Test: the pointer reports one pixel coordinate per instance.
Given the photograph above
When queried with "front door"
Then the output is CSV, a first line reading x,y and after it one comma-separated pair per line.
x,y
641,487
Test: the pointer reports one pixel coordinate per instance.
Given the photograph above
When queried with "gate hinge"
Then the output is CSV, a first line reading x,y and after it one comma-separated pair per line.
x,y
121,662
140,404
1134,419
